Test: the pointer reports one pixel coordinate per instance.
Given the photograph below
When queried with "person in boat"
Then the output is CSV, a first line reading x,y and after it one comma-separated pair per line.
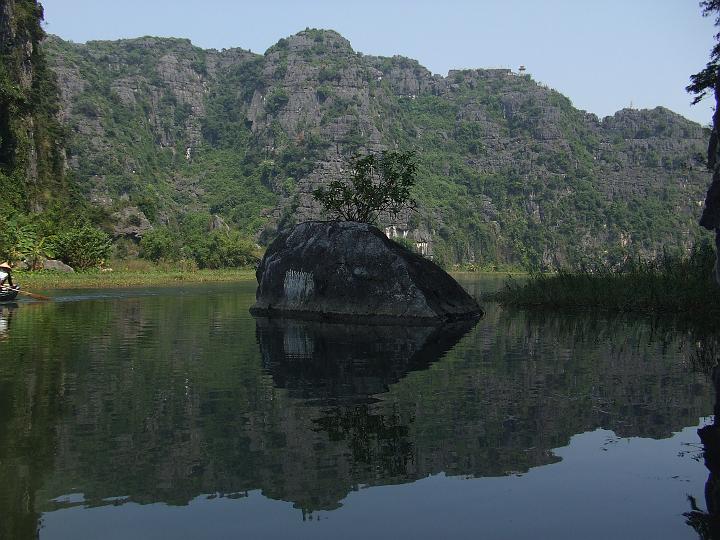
x,y
6,281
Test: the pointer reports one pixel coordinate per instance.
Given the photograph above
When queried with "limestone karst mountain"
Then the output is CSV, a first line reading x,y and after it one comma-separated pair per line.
x,y
510,171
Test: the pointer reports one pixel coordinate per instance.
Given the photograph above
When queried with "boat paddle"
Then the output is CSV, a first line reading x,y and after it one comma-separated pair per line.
x,y
35,296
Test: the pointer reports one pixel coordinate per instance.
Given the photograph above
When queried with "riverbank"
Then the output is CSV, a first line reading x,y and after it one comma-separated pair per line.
x,y
141,274
47,280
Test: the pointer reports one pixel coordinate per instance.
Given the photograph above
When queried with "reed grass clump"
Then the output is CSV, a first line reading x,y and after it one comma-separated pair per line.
x,y
670,283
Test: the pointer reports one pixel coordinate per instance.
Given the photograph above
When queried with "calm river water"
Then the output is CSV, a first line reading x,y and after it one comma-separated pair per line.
x,y
172,413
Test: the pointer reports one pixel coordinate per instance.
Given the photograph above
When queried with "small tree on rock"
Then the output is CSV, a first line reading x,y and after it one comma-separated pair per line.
x,y
378,183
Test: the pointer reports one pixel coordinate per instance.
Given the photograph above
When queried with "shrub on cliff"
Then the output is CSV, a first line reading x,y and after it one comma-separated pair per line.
x,y
222,249
159,244
207,249
82,247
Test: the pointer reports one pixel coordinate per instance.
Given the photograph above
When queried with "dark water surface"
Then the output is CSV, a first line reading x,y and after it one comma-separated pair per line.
x,y
172,413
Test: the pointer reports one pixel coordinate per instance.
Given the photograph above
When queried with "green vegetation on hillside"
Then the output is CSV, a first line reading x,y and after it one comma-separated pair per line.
x,y
46,216
31,157
547,206
509,172
43,214
192,243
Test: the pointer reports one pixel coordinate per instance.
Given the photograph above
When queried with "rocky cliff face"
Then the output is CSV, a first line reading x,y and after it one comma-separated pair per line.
x,y
710,218
32,167
509,170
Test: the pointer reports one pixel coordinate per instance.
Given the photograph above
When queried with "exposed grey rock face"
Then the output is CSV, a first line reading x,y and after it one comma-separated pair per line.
x,y
130,223
352,271
58,266
218,223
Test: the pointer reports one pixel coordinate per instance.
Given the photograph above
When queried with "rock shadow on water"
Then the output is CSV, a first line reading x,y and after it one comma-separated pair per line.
x,y
336,363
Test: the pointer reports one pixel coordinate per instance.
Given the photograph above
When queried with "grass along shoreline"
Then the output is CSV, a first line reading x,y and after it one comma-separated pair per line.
x,y
126,277
669,284
96,279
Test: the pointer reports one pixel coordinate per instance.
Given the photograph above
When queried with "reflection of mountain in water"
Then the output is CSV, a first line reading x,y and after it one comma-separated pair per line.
x,y
164,398
341,363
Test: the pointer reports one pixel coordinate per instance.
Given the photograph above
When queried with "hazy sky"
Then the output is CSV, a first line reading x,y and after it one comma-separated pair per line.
x,y
603,54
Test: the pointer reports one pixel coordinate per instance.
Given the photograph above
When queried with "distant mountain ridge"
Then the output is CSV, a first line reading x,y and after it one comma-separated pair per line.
x,y
510,171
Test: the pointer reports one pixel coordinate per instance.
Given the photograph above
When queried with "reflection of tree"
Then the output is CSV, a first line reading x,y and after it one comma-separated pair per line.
x,y
373,439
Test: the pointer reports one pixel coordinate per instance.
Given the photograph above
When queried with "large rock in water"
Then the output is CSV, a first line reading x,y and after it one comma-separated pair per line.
x,y
351,271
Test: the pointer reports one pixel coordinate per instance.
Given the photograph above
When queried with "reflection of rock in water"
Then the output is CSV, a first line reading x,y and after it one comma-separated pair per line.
x,y
297,343
6,313
707,523
348,363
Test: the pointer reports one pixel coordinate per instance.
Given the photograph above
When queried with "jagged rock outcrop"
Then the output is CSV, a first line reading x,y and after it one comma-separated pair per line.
x,y
349,271
218,223
57,266
710,218
130,222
